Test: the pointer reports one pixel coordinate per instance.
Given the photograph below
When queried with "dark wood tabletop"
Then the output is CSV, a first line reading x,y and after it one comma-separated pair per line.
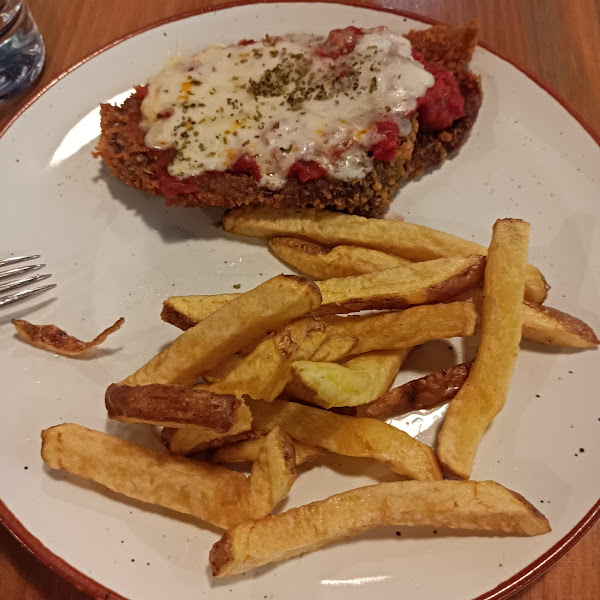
x,y
557,40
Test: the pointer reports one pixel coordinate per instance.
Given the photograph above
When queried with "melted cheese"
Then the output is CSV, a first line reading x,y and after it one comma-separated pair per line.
x,y
279,102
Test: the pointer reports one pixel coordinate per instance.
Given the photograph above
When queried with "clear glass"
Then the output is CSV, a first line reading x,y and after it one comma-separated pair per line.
x,y
22,51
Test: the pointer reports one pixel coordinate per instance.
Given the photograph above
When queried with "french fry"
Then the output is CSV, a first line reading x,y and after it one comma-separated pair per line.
x,y
240,322
483,394
404,329
273,472
359,381
247,451
224,368
172,406
544,324
190,439
425,392
265,372
421,283
321,262
475,506
551,326
334,349
184,313
406,240
349,436
214,494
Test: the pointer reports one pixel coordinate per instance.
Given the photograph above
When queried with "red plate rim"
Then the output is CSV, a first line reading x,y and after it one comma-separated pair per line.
x,y
91,587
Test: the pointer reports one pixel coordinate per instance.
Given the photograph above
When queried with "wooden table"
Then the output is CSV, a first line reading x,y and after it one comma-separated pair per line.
x,y
558,40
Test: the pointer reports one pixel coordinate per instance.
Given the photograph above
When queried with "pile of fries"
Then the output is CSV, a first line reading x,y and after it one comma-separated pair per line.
x,y
279,375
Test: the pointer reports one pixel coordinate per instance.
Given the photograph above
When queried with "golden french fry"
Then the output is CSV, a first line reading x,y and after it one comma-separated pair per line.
x,y
190,439
185,313
265,372
407,240
273,472
483,394
244,320
476,506
425,392
545,324
349,436
404,329
359,381
556,328
224,368
334,349
247,451
420,283
172,406
321,262
209,492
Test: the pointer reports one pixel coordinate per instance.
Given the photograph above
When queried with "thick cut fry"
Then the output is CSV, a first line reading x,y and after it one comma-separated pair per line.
x,y
183,313
171,406
404,329
208,492
247,451
190,439
244,320
199,442
545,324
273,472
425,392
556,328
483,394
407,240
54,339
422,283
321,262
349,436
478,506
265,372
334,349
419,283
224,368
359,381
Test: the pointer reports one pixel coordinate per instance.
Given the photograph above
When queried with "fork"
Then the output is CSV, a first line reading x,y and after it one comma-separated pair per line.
x,y
10,273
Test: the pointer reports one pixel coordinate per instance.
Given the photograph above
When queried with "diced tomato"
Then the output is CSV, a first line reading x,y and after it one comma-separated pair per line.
x,y
245,42
443,103
171,186
247,164
340,42
142,91
162,159
385,148
306,170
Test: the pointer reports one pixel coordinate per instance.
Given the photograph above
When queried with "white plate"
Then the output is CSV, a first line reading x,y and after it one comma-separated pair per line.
x,y
114,251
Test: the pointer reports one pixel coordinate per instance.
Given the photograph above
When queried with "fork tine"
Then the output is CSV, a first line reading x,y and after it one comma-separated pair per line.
x,y
20,270
16,259
5,287
5,300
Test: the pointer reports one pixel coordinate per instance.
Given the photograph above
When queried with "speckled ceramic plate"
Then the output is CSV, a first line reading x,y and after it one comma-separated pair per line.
x,y
114,251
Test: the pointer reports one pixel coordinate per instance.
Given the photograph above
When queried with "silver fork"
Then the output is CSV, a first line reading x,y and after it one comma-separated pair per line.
x,y
11,273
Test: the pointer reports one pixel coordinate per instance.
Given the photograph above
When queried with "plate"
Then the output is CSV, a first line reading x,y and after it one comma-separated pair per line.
x,y
114,251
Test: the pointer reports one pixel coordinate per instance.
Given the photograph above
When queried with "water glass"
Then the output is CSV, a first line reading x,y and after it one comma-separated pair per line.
x,y
22,50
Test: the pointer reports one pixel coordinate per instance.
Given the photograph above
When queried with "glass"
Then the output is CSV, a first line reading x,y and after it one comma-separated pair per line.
x,y
22,50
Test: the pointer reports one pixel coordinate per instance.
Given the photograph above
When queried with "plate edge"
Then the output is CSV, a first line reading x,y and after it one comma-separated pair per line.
x,y
88,585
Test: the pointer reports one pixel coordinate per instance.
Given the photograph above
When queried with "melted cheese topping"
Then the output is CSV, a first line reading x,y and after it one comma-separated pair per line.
x,y
279,102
